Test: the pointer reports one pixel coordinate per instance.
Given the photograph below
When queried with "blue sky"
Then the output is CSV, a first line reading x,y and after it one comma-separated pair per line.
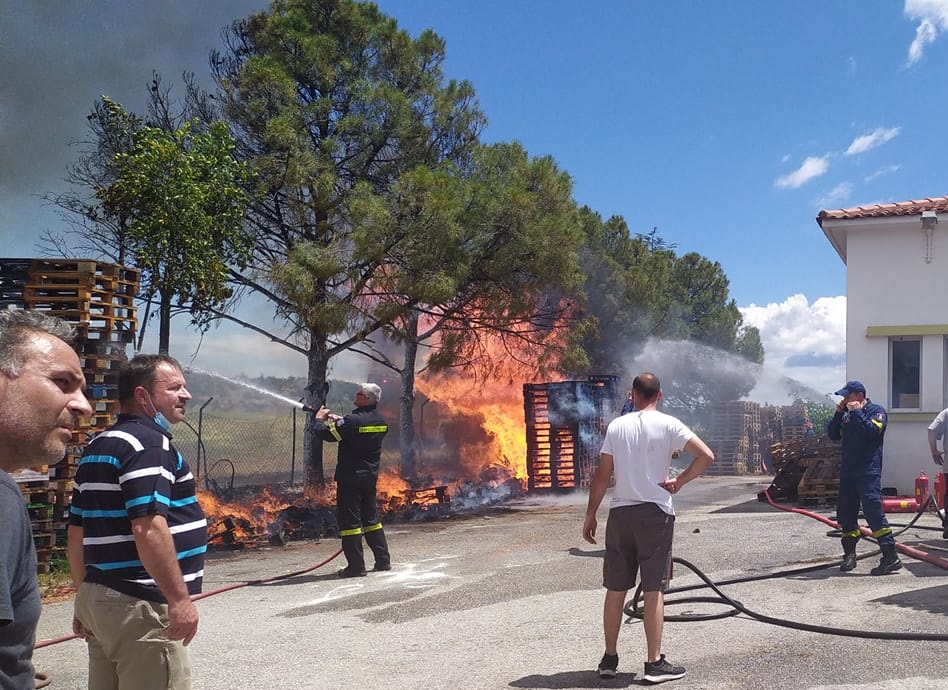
x,y
726,125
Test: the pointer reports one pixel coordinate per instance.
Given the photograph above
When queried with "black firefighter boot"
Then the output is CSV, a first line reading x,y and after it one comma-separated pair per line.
x,y
849,554
352,548
890,562
379,545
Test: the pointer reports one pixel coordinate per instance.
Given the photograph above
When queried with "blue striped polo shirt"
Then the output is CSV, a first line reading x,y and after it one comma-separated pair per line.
x,y
130,471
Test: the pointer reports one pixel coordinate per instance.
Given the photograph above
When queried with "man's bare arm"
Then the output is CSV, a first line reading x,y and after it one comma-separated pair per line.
x,y
156,549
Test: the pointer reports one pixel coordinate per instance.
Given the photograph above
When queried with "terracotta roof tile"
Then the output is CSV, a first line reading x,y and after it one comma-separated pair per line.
x,y
899,208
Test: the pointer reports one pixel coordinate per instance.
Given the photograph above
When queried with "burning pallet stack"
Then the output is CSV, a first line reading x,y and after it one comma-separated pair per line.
x,y
98,299
565,423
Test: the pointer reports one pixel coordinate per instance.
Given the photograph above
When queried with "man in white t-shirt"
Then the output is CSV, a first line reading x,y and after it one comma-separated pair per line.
x,y
936,432
638,447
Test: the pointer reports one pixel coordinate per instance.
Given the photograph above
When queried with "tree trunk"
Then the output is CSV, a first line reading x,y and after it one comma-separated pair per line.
x,y
316,388
406,417
143,325
164,325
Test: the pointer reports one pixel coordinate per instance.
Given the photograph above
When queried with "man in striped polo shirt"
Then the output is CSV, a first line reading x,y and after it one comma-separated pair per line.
x,y
138,534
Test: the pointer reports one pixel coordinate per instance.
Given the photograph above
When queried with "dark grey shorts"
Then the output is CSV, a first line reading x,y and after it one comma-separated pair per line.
x,y
638,537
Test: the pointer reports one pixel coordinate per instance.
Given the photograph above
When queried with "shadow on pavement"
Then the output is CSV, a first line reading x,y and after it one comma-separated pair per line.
x,y
576,679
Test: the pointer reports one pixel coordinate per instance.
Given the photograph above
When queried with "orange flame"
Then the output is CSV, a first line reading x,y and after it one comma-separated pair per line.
x,y
249,517
499,409
390,484
497,401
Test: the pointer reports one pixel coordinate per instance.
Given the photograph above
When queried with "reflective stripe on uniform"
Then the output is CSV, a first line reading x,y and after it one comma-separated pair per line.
x,y
372,528
350,532
854,533
373,429
876,422
334,431
881,532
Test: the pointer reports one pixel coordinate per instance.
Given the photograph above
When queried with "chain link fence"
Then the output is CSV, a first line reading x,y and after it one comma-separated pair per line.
x,y
227,451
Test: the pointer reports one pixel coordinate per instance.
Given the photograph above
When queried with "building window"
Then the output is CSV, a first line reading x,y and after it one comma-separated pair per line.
x,y
905,357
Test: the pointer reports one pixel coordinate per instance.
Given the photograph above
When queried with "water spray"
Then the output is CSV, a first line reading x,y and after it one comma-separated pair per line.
x,y
295,403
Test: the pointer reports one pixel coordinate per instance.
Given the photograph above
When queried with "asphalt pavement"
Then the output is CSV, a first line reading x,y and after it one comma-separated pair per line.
x,y
511,597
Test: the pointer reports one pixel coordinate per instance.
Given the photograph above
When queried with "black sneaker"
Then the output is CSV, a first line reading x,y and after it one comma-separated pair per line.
x,y
608,665
660,671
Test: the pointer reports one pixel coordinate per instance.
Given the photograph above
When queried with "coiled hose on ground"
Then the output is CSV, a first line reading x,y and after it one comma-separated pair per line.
x,y
633,607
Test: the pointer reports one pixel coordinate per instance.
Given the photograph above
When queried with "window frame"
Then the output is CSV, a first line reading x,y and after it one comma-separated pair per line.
x,y
895,395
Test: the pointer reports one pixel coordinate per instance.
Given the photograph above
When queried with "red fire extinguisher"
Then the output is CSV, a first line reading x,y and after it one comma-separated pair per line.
x,y
921,489
939,489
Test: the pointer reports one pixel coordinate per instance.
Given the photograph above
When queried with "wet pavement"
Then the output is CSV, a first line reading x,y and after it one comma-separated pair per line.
x,y
511,597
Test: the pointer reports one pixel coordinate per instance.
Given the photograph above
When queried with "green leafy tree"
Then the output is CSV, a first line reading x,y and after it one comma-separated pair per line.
x,y
637,288
625,281
182,196
819,412
331,102
487,267
95,230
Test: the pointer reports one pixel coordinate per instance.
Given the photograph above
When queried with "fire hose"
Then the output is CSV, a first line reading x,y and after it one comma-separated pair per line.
x,y
634,610
205,595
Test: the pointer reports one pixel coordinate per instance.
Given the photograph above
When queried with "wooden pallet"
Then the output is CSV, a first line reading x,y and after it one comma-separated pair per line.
x,y
824,491
44,540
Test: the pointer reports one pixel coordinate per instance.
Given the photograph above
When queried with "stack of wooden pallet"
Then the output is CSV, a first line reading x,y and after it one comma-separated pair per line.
x,y
735,427
795,418
566,422
98,299
14,275
807,470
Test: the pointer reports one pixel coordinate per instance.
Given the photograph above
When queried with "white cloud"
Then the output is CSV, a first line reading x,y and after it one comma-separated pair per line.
x,y
837,194
932,16
867,142
805,342
812,167
882,171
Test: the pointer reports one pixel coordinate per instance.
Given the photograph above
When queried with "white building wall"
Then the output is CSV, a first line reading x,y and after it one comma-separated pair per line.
x,y
889,284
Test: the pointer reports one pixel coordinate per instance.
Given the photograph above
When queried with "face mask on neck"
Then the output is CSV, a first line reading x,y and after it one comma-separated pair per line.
x,y
158,418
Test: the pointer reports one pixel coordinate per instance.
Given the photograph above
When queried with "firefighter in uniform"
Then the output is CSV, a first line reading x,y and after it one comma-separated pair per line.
x,y
359,435
860,423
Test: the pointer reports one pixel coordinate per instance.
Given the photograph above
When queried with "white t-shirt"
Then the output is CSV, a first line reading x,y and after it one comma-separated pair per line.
x,y
938,424
641,445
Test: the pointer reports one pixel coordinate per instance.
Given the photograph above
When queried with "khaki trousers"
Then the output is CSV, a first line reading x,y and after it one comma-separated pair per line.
x,y
127,650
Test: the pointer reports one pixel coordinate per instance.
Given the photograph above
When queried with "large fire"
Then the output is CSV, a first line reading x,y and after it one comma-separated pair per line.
x,y
474,436
497,410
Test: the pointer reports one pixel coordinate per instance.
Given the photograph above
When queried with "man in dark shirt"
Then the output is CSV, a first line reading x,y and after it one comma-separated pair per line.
x,y
41,401
359,435
138,537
